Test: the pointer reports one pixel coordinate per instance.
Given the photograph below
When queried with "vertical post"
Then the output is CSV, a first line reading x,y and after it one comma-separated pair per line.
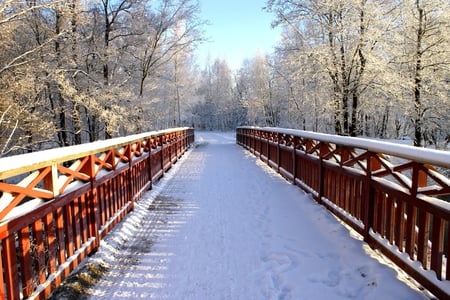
x,y
253,144
260,143
2,280
93,207
373,164
323,151
279,135
161,142
10,270
419,179
130,179
171,144
149,161
295,143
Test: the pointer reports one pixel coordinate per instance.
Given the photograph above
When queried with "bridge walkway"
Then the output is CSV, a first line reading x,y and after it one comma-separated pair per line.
x,y
222,225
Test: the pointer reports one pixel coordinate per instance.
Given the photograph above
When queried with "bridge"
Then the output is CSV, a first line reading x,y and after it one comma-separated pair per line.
x,y
58,207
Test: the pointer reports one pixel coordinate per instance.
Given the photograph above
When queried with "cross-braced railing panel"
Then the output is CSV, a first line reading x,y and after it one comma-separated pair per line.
x,y
388,193
56,205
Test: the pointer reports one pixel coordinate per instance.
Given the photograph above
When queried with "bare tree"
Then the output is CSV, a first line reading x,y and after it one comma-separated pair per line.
x,y
171,29
339,38
429,56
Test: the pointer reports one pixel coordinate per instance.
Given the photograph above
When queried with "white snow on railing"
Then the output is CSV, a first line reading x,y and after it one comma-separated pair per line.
x,y
423,155
13,165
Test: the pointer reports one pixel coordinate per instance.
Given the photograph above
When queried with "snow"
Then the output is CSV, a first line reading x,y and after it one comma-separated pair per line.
x,y
425,155
222,225
15,165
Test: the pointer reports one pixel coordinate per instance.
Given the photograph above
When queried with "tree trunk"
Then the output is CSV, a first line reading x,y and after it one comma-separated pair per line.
x,y
418,134
354,126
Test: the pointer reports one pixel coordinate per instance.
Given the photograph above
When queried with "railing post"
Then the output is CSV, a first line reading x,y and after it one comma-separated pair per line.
x,y
323,151
161,142
172,143
278,151
260,134
93,207
11,267
253,145
2,280
368,214
149,162
131,184
295,143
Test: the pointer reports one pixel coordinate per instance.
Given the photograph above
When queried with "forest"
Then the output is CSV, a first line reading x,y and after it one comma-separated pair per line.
x,y
76,71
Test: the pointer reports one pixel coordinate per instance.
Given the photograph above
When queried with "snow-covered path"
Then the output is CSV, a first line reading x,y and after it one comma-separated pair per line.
x,y
221,225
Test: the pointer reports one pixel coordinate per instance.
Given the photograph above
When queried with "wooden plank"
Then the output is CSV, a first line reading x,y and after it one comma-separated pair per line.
x,y
84,219
410,237
26,272
447,253
400,224
76,224
390,219
59,219
10,268
50,231
437,246
101,205
68,229
2,280
39,251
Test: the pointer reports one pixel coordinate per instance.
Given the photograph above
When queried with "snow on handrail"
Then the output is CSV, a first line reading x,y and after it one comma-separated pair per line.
x,y
423,155
17,164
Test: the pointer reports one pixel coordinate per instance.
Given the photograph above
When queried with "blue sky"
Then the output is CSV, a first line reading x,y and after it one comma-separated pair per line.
x,y
238,30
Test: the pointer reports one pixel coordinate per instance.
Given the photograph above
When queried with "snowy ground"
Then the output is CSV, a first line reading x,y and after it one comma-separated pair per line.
x,y
221,225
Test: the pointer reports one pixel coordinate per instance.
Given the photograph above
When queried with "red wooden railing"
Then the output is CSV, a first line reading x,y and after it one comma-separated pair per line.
x,y
386,192
56,205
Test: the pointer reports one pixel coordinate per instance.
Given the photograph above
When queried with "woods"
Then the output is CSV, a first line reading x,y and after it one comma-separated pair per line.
x,y
372,57
77,71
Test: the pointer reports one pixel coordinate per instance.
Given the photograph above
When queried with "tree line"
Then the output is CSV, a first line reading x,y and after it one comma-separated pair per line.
x,y
351,67
78,71
75,71
382,67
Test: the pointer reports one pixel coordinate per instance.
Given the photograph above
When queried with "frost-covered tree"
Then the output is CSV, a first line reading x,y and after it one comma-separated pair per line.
x,y
257,79
221,106
69,70
380,67
338,37
23,75
423,57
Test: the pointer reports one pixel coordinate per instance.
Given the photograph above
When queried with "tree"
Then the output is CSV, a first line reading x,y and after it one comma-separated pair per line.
x,y
22,76
68,69
384,63
172,28
426,39
339,36
215,111
262,107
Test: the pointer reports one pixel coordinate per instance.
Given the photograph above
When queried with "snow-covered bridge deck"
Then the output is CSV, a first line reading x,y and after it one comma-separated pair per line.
x,y
221,225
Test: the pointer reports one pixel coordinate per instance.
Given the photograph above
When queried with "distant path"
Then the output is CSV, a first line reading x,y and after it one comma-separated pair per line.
x,y
221,226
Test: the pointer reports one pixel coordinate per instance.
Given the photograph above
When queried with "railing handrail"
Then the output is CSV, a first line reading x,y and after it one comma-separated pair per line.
x,y
56,205
389,193
18,164
424,155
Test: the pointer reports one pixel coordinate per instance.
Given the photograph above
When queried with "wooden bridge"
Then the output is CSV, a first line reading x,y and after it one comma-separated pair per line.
x,y
56,205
